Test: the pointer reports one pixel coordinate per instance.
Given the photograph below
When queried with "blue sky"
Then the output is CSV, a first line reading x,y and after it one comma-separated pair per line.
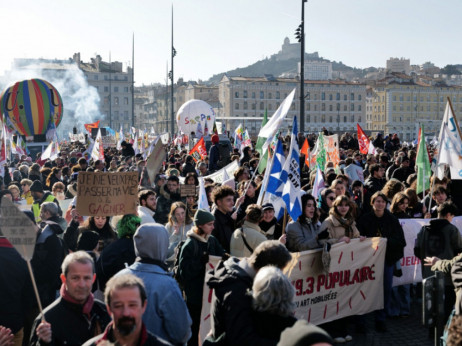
x,y
212,36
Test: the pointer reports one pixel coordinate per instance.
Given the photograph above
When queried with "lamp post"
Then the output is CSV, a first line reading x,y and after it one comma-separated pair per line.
x,y
300,35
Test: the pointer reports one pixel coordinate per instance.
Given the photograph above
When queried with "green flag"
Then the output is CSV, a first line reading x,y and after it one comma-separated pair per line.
x,y
259,146
423,164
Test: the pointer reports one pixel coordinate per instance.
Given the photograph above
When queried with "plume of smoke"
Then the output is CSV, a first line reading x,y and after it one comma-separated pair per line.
x,y
80,100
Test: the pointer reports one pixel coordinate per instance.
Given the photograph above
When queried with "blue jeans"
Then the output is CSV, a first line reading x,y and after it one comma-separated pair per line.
x,y
400,303
380,315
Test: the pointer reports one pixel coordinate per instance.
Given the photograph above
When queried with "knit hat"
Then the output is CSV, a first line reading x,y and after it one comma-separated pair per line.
x,y
304,334
267,206
126,227
202,217
87,241
215,139
151,241
36,186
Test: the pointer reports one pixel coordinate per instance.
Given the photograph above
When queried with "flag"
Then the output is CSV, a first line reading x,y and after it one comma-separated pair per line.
x,y
121,139
198,152
215,130
277,177
321,156
202,202
450,152
259,146
271,127
199,132
292,187
423,165
363,141
306,151
135,145
97,152
94,125
238,136
318,184
206,129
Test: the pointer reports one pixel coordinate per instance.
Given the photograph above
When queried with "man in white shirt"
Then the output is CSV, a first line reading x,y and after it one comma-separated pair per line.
x,y
147,207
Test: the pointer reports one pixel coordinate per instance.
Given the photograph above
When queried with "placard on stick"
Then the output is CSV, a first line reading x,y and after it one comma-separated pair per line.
x,y
17,228
188,190
107,194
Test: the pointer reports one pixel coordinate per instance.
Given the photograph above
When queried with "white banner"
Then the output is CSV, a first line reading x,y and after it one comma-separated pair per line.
x,y
353,286
217,177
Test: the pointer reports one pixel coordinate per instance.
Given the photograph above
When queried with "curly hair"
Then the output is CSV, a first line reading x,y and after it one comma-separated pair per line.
x,y
272,292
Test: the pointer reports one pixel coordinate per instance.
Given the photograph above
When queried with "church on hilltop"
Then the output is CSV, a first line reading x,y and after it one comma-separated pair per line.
x,y
292,51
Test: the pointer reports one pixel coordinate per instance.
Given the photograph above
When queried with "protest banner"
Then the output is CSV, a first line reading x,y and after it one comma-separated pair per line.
x,y
164,138
155,160
107,194
332,149
353,286
217,177
108,141
22,234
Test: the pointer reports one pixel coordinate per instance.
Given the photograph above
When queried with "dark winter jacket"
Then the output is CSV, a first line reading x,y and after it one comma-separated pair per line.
x,y
272,230
188,168
193,257
16,292
232,305
164,203
224,228
69,325
128,150
387,226
214,157
49,253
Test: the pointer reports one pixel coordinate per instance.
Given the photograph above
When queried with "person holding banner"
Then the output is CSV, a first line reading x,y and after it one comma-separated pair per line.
x,y
381,223
303,234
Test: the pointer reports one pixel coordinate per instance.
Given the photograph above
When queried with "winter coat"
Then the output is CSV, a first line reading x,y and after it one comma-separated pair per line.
x,y
128,150
192,264
146,214
387,226
271,326
232,305
224,228
272,230
302,236
441,239
188,168
69,325
166,314
214,158
253,235
164,203
335,229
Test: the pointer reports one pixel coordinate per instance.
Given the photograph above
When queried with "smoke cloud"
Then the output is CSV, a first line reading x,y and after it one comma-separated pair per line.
x,y
80,100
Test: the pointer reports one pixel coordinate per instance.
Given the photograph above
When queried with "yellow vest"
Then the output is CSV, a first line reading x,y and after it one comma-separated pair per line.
x,y
36,207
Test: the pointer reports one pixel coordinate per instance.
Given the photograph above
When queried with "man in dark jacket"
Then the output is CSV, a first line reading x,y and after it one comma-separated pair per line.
x,y
223,197
373,183
168,194
188,166
214,154
126,302
231,304
127,149
75,316
404,171
49,253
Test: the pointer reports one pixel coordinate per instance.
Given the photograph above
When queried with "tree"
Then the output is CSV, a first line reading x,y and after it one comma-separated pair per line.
x,y
450,70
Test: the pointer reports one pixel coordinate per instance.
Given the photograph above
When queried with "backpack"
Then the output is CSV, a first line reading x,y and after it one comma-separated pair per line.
x,y
176,264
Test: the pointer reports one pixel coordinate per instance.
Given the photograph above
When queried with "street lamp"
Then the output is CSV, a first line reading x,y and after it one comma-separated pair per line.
x,y
300,35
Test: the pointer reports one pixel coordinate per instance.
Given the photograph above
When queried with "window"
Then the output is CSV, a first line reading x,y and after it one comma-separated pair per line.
x,y
116,101
345,119
254,106
262,95
270,107
345,97
315,119
359,97
245,105
323,96
125,100
359,108
116,115
96,77
308,106
262,105
330,108
337,97
308,118
106,89
352,96
315,108
105,77
236,106
345,108
126,115
278,95
126,89
330,118
253,95
352,107
106,100
323,118
236,94
352,118
245,94
278,104
330,97
116,89
270,96
323,106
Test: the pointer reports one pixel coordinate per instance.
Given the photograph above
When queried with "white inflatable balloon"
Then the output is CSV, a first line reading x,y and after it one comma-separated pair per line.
x,y
192,112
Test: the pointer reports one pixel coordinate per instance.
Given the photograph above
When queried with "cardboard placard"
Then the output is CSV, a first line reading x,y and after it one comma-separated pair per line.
x,y
107,194
188,190
155,160
17,228
108,141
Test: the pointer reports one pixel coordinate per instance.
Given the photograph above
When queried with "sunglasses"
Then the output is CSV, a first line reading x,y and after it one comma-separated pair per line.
x,y
331,198
23,184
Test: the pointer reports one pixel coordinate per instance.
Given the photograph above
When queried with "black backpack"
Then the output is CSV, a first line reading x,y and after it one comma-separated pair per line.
x,y
176,263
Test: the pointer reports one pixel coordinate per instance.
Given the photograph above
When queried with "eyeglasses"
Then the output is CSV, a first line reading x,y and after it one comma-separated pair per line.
x,y
23,184
331,198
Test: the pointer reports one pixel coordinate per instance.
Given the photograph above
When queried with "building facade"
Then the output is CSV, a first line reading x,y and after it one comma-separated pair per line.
x,y
399,65
317,70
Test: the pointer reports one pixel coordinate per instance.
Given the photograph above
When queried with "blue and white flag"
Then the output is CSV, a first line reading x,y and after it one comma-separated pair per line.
x,y
277,177
202,202
291,172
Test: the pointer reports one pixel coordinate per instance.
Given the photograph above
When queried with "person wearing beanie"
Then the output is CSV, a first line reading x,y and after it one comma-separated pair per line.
x,y
214,154
115,255
166,314
40,196
194,256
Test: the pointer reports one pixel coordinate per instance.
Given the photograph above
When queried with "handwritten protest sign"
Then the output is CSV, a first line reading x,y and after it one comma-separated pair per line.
x,y
353,286
108,141
188,190
107,194
17,228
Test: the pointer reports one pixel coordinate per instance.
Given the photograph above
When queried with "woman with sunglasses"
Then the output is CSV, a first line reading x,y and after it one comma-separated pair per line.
x,y
327,199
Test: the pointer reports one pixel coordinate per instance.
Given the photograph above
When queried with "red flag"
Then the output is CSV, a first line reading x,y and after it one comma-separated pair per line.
x,y
306,151
198,152
94,125
363,141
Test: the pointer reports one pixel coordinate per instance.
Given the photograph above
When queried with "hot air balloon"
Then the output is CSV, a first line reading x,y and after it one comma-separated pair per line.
x,y
31,107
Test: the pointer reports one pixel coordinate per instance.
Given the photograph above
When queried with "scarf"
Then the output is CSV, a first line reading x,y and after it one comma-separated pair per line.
x,y
87,306
346,224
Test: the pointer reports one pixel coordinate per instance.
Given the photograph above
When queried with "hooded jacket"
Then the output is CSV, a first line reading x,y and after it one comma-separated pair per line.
x,y
253,235
232,305
166,314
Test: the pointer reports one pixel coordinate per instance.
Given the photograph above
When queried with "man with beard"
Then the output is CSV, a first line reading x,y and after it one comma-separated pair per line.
x,y
126,302
168,195
75,316
147,207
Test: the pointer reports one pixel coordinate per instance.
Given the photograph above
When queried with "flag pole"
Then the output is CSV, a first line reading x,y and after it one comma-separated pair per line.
x,y
35,290
284,221
454,117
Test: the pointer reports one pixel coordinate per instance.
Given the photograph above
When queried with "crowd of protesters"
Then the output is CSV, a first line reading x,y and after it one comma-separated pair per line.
x,y
150,267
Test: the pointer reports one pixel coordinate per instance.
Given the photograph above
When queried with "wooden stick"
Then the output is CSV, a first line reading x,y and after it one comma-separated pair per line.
x,y
284,221
36,290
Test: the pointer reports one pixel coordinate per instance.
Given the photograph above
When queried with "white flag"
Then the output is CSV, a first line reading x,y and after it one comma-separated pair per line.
x,y
97,152
202,202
